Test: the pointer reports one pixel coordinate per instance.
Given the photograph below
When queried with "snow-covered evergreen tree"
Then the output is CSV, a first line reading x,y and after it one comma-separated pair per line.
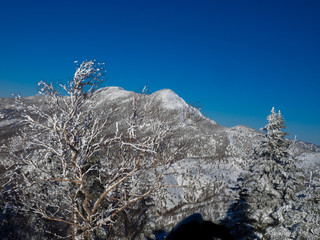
x,y
270,184
276,152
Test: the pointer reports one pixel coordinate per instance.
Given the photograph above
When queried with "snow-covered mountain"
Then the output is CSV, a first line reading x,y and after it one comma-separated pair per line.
x,y
212,156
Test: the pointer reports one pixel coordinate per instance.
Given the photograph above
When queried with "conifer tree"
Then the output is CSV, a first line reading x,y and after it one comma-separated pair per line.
x,y
270,184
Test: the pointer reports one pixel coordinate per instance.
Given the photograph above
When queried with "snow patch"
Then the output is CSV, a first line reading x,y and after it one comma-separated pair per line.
x,y
169,99
111,93
309,160
6,123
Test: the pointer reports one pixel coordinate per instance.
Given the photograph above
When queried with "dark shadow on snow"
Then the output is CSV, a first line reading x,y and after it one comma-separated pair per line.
x,y
195,228
237,220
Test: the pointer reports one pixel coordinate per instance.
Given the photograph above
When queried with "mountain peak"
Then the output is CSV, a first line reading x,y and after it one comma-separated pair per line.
x,y
169,99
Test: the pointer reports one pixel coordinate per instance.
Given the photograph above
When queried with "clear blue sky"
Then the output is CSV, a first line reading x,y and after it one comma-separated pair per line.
x,y
236,59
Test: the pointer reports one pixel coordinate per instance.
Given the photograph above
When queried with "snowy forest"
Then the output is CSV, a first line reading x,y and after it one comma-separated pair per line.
x,y
81,161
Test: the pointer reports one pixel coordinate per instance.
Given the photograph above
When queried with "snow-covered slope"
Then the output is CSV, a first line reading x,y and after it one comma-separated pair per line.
x,y
169,99
112,94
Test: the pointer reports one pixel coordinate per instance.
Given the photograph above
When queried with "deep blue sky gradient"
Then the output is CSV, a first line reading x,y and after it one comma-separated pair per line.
x,y
236,59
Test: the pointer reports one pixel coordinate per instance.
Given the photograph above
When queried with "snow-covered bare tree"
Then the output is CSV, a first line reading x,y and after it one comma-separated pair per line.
x,y
79,167
270,186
